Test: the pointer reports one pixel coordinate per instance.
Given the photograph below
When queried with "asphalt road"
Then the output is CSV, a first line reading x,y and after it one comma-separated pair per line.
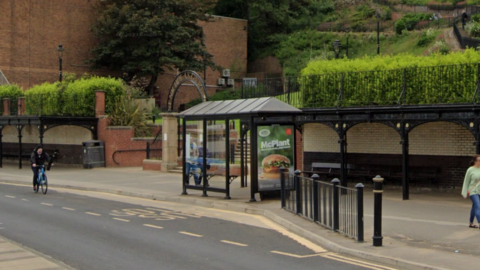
x,y
101,231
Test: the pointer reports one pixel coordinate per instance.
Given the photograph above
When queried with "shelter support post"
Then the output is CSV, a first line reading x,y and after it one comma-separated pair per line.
x,y
343,159
253,158
242,160
227,157
204,167
184,161
1,146
405,164
19,129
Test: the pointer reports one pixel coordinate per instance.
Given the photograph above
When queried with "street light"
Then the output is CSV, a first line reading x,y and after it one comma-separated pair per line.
x,y
336,47
378,32
60,58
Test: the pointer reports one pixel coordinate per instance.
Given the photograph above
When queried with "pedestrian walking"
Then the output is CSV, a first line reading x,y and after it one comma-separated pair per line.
x,y
471,188
464,19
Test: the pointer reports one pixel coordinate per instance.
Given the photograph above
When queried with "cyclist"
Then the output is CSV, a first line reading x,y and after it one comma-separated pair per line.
x,y
38,158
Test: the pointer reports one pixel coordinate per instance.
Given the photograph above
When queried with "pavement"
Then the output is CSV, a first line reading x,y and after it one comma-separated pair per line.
x,y
15,256
429,231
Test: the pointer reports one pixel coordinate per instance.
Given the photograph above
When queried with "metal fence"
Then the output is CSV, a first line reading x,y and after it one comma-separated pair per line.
x,y
55,104
3,79
410,86
465,42
328,204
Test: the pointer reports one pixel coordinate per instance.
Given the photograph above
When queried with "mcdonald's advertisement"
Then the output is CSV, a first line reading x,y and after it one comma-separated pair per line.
x,y
276,149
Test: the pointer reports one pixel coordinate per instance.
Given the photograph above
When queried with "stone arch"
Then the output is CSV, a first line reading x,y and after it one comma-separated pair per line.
x,y
441,138
186,76
68,135
373,138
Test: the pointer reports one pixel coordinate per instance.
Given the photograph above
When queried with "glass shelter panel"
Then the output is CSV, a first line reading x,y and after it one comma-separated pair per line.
x,y
216,153
193,158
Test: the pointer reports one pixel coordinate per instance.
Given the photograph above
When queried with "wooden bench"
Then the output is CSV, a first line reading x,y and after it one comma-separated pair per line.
x,y
326,169
424,174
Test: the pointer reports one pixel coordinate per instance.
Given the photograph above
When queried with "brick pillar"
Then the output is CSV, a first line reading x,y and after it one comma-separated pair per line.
x,y
169,141
21,106
99,103
6,107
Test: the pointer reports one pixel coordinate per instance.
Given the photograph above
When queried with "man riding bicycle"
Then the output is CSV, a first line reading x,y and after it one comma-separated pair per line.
x,y
38,158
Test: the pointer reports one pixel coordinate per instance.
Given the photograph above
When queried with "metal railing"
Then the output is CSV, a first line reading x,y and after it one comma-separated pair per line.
x,y
328,204
3,79
409,86
56,104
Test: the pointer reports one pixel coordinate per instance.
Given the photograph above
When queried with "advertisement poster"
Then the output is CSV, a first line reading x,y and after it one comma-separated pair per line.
x,y
276,148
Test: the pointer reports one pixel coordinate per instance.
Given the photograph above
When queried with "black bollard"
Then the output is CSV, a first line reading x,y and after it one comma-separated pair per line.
x,y
377,211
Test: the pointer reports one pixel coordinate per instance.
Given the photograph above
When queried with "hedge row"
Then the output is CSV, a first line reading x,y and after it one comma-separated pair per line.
x,y
386,80
76,98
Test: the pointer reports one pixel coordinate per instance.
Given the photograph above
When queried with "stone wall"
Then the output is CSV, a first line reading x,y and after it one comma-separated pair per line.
x,y
438,144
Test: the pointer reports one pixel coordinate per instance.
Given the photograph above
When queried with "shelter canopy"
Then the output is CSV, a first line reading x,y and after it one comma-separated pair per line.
x,y
239,108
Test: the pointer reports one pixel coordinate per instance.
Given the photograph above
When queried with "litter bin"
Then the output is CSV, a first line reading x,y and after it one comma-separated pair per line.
x,y
93,154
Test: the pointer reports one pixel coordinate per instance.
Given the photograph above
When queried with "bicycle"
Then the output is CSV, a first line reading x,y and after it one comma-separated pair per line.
x,y
41,180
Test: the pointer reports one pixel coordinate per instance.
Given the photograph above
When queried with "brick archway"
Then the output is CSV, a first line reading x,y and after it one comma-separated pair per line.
x,y
186,76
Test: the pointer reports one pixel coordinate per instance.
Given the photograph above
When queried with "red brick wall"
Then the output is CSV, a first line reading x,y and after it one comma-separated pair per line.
x,y
31,30
226,40
121,138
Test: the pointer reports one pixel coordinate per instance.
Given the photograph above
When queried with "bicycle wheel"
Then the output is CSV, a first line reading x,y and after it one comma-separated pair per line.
x,y
44,184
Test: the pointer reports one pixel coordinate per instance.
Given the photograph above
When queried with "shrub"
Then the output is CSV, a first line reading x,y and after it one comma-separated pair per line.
x,y
227,94
72,97
426,38
79,97
44,99
473,28
410,20
126,112
13,92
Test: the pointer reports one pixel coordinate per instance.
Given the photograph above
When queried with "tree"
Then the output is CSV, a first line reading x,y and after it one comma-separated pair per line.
x,y
146,37
268,18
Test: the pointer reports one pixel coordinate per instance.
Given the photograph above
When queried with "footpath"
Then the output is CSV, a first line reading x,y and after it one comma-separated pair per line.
x,y
14,256
429,231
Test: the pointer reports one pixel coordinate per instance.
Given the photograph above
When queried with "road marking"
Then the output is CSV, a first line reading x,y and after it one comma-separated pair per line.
x,y
234,243
339,258
152,226
47,204
121,219
93,214
11,197
25,200
308,244
69,209
191,234
295,255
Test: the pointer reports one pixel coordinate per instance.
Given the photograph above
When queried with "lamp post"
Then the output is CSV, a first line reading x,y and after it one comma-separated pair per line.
x,y
60,58
336,48
378,32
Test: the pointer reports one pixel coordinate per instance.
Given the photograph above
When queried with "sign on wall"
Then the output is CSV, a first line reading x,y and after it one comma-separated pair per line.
x,y
276,148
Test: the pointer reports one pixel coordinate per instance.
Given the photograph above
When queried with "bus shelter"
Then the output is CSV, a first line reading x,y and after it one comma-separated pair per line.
x,y
210,135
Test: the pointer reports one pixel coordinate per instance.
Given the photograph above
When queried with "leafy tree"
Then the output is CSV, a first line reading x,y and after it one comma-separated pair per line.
x,y
146,37
270,17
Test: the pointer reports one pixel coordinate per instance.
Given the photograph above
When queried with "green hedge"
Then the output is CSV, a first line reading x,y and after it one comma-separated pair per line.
x,y
75,98
409,21
13,92
380,80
